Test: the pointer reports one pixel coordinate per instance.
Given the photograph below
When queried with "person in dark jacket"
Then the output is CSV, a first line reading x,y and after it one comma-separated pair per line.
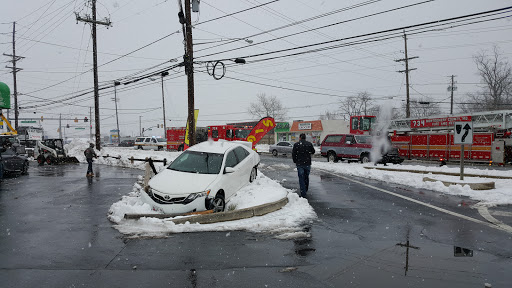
x,y
89,154
301,155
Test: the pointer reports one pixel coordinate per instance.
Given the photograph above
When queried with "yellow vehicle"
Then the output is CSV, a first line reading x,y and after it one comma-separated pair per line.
x,y
13,131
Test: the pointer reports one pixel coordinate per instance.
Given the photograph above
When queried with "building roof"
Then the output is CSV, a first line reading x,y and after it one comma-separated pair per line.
x,y
316,125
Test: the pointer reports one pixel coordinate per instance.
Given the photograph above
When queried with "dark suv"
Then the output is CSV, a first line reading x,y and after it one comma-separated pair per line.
x,y
127,143
354,147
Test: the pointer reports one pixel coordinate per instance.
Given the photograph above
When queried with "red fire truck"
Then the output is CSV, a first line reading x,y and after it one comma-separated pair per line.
x,y
432,138
176,137
229,132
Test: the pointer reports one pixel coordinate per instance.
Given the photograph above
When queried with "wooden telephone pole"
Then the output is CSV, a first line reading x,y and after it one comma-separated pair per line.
x,y
14,71
406,60
452,88
93,21
189,69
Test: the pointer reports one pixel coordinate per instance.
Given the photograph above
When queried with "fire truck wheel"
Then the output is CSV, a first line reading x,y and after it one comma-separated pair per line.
x,y
365,158
253,175
331,157
274,152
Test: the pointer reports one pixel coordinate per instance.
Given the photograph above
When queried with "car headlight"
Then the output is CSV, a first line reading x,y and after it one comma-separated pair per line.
x,y
194,196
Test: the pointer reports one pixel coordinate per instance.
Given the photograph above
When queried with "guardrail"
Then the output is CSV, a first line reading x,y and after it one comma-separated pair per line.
x,y
147,159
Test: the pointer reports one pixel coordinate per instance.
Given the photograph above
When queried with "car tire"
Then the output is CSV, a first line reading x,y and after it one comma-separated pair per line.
x,y
24,170
218,204
331,157
274,152
252,177
159,148
49,160
365,158
139,147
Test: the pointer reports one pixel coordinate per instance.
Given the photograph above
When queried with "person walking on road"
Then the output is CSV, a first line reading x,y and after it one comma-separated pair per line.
x,y
89,154
301,155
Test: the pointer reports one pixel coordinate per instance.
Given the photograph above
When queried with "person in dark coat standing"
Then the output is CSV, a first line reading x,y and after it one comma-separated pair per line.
x,y
301,155
89,154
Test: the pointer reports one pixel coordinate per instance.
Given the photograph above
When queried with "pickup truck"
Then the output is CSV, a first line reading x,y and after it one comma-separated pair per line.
x,y
338,147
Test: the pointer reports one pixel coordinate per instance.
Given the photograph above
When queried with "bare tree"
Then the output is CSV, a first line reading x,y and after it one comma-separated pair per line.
x,y
424,107
496,76
267,106
329,115
356,105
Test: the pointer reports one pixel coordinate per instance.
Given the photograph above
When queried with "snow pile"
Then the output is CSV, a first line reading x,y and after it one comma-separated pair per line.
x,y
77,146
502,195
286,223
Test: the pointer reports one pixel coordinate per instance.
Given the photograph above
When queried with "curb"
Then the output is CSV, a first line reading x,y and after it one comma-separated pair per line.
x,y
439,173
474,186
259,210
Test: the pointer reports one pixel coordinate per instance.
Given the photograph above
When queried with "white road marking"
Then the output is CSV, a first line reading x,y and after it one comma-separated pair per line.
x,y
504,228
501,213
485,213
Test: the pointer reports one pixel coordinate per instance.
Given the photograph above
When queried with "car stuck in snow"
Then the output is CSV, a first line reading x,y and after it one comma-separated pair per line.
x,y
203,177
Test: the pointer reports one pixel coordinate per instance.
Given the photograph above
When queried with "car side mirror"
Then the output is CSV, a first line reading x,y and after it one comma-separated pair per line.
x,y
229,170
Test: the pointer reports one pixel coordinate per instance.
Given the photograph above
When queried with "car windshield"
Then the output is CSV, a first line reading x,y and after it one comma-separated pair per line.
x,y
198,162
363,139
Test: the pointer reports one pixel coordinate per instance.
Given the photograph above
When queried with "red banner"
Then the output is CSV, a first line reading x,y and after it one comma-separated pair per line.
x,y
439,122
261,129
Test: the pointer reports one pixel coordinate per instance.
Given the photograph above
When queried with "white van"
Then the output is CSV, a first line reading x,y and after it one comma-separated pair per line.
x,y
150,143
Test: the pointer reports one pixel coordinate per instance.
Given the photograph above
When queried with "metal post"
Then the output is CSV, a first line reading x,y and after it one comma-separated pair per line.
x,y
462,162
117,118
14,75
140,125
90,123
163,105
60,126
407,107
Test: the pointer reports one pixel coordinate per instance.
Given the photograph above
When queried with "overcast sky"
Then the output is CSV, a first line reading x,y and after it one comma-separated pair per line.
x,y
58,51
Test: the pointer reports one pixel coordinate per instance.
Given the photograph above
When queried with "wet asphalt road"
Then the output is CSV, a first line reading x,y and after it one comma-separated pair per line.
x,y
54,233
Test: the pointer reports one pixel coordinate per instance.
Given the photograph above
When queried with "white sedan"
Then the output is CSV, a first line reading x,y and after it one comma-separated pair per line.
x,y
204,177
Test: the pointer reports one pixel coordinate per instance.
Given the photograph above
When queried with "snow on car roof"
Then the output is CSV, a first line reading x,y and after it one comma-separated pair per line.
x,y
215,146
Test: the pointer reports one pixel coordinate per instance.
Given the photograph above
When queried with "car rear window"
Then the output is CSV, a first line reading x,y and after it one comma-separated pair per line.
x,y
333,139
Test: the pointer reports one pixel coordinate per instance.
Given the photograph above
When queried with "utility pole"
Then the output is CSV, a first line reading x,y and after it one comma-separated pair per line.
x,y
60,126
116,83
140,125
107,23
189,70
14,71
90,123
406,60
165,73
452,88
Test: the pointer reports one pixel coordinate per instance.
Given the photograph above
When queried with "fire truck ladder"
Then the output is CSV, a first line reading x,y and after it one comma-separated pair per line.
x,y
482,121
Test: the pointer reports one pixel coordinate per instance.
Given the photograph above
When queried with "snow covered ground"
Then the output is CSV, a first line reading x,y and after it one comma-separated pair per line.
x,y
284,223
502,195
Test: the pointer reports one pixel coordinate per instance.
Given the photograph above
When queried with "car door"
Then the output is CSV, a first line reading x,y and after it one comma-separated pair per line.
x,y
147,143
231,181
350,150
280,147
244,164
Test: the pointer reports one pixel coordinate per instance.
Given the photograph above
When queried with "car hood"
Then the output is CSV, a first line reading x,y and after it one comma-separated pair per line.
x,y
181,183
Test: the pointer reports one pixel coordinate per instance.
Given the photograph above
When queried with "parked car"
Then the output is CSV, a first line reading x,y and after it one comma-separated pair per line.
x,y
283,147
150,143
13,162
203,177
338,147
127,143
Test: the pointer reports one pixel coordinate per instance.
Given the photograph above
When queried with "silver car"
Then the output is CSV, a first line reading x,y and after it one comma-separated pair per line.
x,y
283,147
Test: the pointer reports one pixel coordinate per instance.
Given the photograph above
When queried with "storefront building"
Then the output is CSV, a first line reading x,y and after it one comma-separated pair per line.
x,y
282,132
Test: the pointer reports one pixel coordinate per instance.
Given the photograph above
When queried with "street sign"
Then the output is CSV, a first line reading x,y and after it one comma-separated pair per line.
x,y
79,128
463,133
28,121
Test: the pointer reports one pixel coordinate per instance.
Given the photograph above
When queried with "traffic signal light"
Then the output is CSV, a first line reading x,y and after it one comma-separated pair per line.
x,y
67,126
76,120
41,118
85,119
157,125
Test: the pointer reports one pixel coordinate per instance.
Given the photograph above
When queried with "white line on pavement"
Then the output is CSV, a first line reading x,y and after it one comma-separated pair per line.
x,y
507,229
485,213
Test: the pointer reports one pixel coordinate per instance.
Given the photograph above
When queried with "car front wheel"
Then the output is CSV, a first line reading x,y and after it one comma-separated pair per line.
x,y
218,204
331,157
365,158
274,152
253,175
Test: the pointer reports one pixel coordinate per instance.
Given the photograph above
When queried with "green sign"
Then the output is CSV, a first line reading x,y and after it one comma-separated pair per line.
x,y
79,128
29,121
5,96
282,127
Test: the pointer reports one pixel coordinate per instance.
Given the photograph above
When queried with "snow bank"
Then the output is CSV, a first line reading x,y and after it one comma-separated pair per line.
x,y
502,195
285,223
